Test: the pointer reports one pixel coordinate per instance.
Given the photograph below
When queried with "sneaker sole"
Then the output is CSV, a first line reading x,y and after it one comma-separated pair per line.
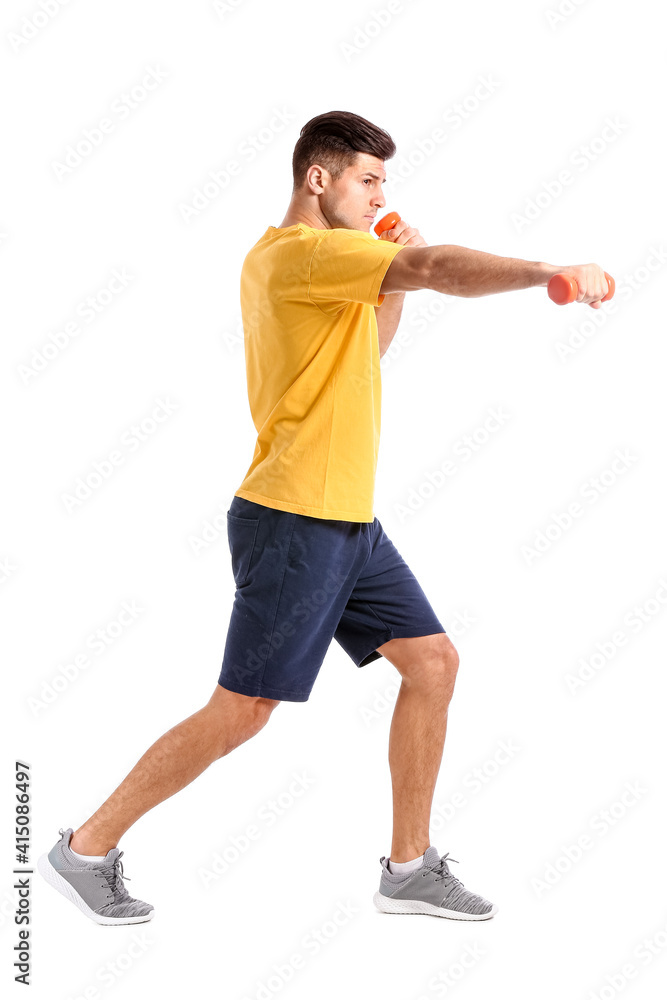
x,y
387,904
47,871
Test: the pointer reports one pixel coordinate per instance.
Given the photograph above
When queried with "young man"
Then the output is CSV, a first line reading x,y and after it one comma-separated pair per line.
x,y
321,299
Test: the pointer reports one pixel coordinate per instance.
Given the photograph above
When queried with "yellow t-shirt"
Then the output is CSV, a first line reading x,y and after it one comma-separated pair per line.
x,y
313,369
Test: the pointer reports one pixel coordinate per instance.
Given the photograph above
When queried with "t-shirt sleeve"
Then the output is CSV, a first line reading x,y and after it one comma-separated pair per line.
x,y
349,266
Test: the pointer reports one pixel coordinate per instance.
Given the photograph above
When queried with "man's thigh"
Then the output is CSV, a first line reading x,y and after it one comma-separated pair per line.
x,y
387,607
293,577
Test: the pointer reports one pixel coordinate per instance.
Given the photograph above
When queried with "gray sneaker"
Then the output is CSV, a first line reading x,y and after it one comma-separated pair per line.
x,y
430,889
96,887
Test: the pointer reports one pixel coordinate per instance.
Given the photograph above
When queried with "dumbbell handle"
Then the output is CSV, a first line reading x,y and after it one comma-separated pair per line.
x,y
561,288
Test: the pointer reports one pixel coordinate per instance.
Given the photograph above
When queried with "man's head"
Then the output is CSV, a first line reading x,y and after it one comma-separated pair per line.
x,y
338,167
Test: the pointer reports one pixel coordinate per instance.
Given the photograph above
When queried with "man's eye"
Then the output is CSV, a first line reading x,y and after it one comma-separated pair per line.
x,y
367,180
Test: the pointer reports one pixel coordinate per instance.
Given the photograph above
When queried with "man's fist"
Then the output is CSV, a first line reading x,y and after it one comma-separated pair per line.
x,y
405,235
591,283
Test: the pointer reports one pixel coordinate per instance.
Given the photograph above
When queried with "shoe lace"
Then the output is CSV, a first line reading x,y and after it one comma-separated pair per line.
x,y
443,872
113,873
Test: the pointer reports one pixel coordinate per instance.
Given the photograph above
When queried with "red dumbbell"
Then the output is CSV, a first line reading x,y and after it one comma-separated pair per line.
x,y
387,222
563,289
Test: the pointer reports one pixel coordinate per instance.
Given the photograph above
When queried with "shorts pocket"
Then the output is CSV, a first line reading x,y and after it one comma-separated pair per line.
x,y
241,534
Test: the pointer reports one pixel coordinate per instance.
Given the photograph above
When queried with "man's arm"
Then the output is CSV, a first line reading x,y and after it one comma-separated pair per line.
x,y
388,316
457,270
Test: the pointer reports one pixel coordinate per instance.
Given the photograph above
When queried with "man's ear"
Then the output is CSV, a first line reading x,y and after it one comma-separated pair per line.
x,y
317,178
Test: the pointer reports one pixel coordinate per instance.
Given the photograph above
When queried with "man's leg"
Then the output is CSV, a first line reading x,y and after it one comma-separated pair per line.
x,y
172,762
428,666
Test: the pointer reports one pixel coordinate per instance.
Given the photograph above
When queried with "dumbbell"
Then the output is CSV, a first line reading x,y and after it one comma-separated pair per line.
x,y
387,222
561,289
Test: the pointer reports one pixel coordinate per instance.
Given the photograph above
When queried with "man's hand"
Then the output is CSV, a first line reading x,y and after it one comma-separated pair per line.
x,y
591,282
405,235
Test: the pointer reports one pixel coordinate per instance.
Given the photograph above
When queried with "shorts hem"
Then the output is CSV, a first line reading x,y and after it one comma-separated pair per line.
x,y
277,694
429,628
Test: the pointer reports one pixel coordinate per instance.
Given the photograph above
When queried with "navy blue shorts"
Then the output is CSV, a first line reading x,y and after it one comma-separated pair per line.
x,y
302,581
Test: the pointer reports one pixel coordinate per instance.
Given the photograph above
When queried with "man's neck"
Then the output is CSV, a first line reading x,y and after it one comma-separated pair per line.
x,y
300,213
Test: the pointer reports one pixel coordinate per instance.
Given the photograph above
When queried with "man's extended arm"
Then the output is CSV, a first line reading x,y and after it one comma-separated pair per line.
x,y
457,270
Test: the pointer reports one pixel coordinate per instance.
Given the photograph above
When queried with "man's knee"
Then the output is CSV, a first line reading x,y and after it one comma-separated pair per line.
x,y
264,707
440,662
427,661
233,719
243,713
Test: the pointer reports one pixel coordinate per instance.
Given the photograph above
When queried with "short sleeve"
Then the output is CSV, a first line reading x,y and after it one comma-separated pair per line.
x,y
349,266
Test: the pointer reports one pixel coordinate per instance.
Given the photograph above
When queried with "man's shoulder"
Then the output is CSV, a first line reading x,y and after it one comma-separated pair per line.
x,y
354,242
289,238
342,235
301,234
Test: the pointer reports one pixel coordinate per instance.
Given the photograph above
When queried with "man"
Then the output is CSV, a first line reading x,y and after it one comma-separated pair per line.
x,y
321,299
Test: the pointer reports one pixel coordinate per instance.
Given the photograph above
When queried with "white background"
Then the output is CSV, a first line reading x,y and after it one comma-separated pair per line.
x,y
173,333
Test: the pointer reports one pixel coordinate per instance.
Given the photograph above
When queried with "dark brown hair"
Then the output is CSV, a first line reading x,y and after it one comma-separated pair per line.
x,y
334,139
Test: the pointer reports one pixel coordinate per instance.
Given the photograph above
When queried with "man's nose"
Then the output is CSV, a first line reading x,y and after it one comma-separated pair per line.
x,y
380,201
